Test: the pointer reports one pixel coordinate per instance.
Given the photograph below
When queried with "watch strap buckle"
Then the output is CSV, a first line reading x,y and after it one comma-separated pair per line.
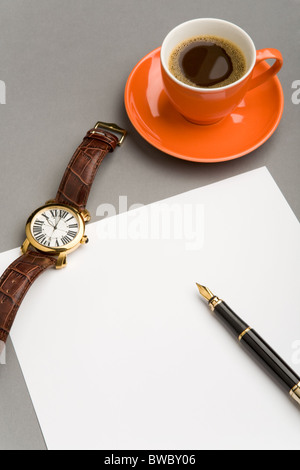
x,y
112,127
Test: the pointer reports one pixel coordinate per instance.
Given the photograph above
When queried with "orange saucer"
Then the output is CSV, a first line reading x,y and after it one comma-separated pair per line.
x,y
153,116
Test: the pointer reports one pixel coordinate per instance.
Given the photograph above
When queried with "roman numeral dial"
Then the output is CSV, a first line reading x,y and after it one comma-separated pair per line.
x,y
55,227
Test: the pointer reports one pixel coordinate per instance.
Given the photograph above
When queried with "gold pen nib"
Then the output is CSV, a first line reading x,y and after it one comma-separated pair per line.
x,y
205,292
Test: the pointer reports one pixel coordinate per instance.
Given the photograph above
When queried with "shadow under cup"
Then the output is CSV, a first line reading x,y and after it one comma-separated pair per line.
x,y
210,105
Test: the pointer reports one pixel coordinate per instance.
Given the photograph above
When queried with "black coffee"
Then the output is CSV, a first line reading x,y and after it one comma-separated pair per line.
x,y
207,61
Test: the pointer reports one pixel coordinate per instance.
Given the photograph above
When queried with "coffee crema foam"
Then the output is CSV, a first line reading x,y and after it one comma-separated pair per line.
x,y
238,60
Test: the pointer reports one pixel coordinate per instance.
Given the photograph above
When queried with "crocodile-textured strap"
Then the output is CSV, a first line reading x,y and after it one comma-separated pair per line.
x,y
76,184
14,284
74,190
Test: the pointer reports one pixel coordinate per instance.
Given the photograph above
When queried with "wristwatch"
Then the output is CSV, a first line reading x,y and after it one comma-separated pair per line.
x,y
57,228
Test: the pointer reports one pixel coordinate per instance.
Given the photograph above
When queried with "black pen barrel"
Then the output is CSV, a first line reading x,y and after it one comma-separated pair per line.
x,y
254,343
270,359
258,347
230,319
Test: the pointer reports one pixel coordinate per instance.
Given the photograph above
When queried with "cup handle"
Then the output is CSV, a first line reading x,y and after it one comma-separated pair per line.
x,y
261,55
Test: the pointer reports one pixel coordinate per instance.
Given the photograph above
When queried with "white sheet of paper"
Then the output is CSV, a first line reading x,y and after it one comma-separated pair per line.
x,y
119,351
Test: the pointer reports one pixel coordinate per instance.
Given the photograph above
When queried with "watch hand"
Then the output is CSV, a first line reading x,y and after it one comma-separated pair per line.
x,y
50,223
57,224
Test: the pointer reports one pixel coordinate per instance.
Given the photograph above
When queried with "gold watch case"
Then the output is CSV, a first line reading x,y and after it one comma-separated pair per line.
x,y
61,252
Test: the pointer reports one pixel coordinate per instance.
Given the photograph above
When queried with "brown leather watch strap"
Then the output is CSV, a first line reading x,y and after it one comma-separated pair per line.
x,y
14,284
74,191
76,184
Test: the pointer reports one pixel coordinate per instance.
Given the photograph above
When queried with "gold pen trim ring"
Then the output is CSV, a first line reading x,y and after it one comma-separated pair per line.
x,y
214,302
295,393
244,333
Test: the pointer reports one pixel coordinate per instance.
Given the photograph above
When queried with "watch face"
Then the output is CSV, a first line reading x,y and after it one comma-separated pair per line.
x,y
55,227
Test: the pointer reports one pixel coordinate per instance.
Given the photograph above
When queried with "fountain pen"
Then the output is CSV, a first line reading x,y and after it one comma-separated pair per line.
x,y
254,343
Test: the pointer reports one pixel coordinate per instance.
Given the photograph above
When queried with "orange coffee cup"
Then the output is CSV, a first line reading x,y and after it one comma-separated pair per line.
x,y
210,105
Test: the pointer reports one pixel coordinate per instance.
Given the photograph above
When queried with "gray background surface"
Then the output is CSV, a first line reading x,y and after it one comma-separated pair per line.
x,y
65,64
